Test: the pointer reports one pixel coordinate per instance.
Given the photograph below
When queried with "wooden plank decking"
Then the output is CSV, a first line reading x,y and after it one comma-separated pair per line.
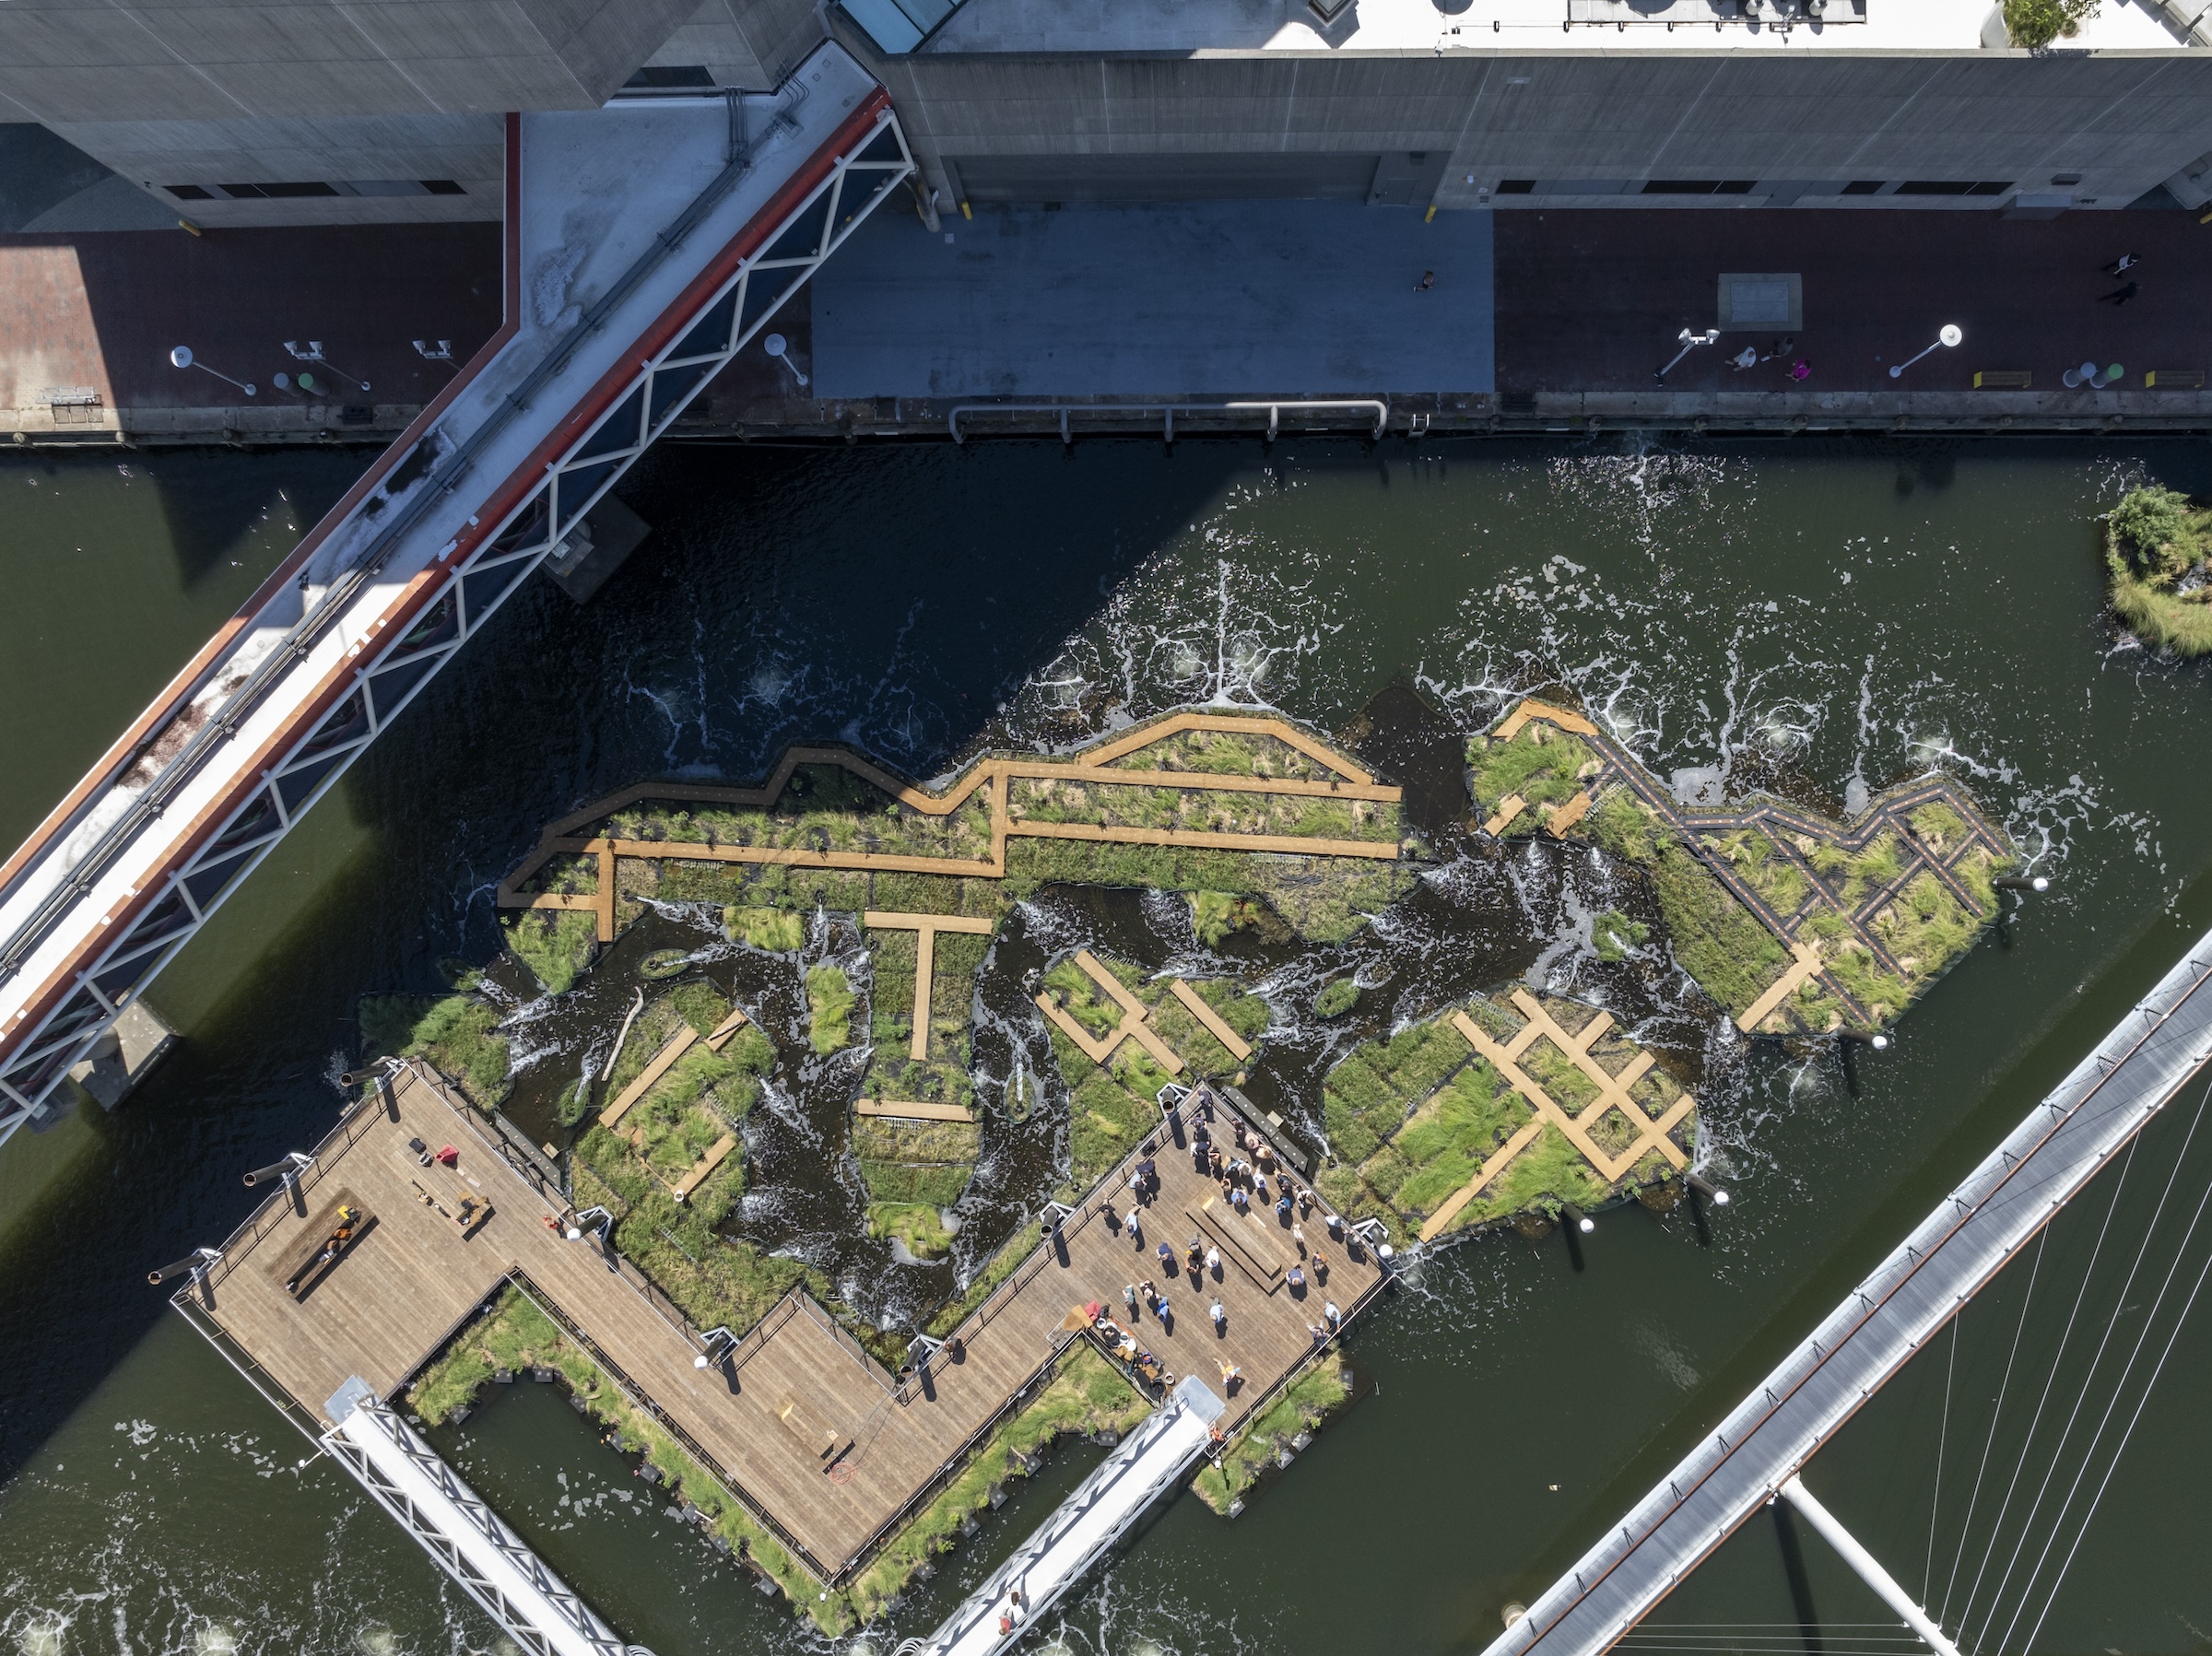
x,y
813,1432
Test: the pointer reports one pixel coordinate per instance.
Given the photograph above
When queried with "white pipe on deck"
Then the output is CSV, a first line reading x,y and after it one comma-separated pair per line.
x,y
1869,1569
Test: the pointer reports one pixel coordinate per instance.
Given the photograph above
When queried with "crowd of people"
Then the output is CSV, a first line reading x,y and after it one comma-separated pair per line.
x,y
1250,1171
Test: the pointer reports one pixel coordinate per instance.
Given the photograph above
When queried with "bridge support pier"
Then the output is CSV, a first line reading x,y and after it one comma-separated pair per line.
x,y
1868,1567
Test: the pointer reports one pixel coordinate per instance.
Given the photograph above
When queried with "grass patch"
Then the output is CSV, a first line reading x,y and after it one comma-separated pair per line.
x,y
828,1009
713,1279
458,1035
1614,936
1304,1404
555,943
1325,899
915,1224
1336,998
777,931
1542,764
1082,997
1227,753
1214,915
1106,1118
1085,1394
2179,623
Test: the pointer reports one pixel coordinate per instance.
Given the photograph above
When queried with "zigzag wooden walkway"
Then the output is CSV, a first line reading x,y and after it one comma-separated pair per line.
x,y
990,777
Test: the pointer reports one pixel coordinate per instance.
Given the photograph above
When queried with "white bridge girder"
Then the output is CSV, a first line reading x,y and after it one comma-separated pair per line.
x,y
705,215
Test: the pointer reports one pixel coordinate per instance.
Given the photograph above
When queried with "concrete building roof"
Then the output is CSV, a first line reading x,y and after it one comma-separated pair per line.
x,y
1206,27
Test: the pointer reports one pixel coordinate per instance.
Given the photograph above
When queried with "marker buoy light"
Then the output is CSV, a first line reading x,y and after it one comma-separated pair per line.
x,y
1578,1218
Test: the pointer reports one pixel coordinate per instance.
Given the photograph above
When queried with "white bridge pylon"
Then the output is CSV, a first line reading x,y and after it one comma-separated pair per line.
x,y
647,243
1866,1565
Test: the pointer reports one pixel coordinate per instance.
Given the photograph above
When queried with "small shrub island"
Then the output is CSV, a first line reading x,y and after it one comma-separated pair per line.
x,y
2157,554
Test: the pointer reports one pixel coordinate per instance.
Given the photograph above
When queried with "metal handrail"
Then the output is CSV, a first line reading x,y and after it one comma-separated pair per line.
x,y
1273,406
262,1220
641,1399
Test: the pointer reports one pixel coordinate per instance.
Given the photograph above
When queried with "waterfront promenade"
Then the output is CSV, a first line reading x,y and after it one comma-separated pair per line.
x,y
1551,319
813,1434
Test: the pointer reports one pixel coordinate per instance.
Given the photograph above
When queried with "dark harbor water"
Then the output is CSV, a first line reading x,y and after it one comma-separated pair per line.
x,y
1842,615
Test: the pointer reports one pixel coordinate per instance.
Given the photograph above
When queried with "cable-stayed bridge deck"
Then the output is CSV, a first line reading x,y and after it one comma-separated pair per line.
x,y
2139,1067
646,244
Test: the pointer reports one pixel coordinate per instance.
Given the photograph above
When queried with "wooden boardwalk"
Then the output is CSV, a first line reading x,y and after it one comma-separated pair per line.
x,y
988,780
812,1433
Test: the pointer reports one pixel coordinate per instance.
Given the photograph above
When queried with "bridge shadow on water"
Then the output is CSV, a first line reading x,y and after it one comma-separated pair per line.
x,y
898,599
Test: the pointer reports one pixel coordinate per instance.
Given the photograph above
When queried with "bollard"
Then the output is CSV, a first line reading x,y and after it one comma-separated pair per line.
x,y
1575,1216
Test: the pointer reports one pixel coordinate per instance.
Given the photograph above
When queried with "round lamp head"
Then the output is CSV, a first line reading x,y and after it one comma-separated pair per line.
x,y
1386,1251
2042,882
576,1235
700,1361
1587,1225
1880,1043
307,381
1720,1198
283,381
181,357
1950,335
773,344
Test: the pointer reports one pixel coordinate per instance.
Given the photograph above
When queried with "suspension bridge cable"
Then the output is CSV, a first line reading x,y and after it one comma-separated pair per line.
x,y
1966,1524
2058,1357
2089,1378
2158,1367
1942,1438
2119,1388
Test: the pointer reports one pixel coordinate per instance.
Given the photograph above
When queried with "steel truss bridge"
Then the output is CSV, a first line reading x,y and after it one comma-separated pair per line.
x,y
647,245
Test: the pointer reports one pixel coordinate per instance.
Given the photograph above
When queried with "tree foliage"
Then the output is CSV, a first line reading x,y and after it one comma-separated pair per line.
x,y
2153,524
2033,23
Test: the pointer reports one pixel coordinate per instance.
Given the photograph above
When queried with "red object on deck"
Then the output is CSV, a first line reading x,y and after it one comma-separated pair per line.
x,y
449,1155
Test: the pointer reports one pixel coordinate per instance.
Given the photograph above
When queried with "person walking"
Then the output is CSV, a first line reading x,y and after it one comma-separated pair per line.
x,y
1129,1299
2120,296
1747,358
1213,1263
1801,370
2122,265
1426,283
1220,1316
1135,1230
1780,347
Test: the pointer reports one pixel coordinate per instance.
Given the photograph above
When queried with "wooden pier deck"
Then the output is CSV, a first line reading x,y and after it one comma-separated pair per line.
x,y
813,1434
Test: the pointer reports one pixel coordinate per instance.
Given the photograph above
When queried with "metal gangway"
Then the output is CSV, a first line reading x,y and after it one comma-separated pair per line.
x,y
1756,1452
646,244
451,1522
1147,1464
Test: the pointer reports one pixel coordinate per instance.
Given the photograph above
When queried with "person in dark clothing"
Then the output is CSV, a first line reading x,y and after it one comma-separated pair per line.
x,y
2120,296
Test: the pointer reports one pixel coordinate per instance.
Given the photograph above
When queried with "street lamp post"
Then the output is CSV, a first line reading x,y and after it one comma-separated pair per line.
x,y
181,357
1950,335
776,346
1689,342
313,353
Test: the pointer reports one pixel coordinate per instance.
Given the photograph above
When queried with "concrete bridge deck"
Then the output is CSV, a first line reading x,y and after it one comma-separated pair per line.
x,y
2143,1064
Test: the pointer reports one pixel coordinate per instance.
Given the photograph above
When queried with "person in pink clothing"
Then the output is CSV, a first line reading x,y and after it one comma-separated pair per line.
x,y
1801,370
